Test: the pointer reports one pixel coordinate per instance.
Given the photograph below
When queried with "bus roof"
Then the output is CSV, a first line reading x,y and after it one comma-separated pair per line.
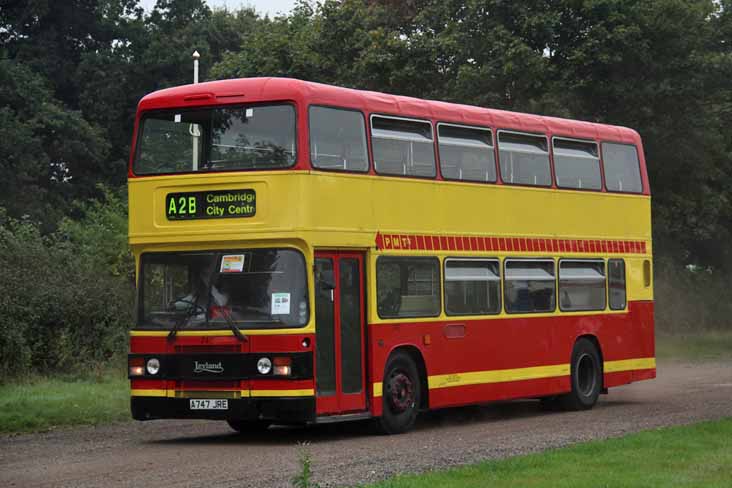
x,y
255,90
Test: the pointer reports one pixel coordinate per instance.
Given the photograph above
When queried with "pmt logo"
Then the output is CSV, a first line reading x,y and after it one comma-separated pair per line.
x,y
206,367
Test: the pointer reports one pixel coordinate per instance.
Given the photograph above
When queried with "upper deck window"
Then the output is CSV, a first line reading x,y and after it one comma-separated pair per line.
x,y
577,164
622,168
524,159
402,146
466,153
338,139
223,139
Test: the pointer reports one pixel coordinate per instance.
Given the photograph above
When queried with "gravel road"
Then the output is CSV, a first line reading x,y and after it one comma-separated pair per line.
x,y
202,453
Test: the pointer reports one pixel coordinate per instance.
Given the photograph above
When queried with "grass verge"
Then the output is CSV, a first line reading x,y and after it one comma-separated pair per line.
x,y
701,346
691,456
45,403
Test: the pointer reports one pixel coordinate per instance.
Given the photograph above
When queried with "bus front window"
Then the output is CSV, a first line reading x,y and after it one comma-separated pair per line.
x,y
256,137
254,288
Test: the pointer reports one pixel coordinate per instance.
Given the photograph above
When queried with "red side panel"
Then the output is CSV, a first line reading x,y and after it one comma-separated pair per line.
x,y
514,343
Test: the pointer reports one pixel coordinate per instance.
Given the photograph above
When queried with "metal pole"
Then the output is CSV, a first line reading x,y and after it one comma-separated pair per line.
x,y
196,57
194,128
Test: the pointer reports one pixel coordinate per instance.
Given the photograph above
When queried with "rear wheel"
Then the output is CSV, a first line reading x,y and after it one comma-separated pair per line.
x,y
586,377
401,394
249,426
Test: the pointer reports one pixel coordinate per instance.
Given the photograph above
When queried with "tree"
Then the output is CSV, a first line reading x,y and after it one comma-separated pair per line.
x,y
46,150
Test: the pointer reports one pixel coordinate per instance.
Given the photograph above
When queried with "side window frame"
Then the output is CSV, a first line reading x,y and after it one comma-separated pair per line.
x,y
435,260
550,160
604,172
600,165
604,281
372,137
509,260
496,261
625,284
496,168
366,137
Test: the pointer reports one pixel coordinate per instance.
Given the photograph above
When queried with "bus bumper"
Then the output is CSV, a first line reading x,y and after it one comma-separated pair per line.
x,y
278,410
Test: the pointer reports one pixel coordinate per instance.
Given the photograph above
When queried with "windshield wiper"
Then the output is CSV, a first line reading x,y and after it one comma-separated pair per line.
x,y
234,329
184,319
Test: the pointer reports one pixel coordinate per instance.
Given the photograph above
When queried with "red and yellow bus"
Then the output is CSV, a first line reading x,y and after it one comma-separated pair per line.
x,y
307,253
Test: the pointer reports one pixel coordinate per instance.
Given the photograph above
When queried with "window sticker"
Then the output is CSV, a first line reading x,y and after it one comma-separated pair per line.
x,y
176,118
249,113
280,303
232,263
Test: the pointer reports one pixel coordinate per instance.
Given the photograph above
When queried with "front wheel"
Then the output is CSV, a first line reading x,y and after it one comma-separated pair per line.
x,y
586,376
401,394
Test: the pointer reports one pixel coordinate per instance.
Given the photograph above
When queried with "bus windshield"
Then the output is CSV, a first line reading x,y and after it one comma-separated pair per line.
x,y
221,139
254,288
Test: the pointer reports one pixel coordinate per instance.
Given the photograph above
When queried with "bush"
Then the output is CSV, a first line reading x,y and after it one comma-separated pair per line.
x,y
66,299
690,299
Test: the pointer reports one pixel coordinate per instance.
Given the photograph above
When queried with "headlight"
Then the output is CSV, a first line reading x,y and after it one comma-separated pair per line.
x,y
136,366
264,366
153,366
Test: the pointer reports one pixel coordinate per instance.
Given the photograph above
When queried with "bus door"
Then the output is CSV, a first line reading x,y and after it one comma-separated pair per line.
x,y
339,333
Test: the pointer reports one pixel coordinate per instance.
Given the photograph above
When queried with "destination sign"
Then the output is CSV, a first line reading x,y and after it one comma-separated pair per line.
x,y
211,204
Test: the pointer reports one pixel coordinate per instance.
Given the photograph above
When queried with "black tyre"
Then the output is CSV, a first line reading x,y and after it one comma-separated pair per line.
x,y
586,377
249,426
401,394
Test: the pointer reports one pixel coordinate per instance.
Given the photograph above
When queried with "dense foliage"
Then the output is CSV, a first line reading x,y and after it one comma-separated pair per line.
x,y
72,72
66,298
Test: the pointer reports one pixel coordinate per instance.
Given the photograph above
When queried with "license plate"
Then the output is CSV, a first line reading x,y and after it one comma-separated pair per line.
x,y
208,404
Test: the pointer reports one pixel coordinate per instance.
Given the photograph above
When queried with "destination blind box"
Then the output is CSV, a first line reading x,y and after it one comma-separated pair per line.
x,y
211,204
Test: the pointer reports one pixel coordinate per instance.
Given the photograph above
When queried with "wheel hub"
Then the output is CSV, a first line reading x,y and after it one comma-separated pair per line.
x,y
400,392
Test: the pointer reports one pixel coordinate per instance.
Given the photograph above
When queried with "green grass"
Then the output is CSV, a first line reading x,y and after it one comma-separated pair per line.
x,y
703,346
692,456
46,403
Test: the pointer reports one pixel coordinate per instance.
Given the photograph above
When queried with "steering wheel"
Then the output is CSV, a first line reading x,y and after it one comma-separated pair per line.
x,y
195,307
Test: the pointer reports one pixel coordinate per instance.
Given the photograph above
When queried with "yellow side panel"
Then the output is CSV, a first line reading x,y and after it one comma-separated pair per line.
x,y
310,210
347,210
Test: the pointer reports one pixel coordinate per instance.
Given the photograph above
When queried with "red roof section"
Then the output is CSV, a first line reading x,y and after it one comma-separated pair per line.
x,y
252,90
304,93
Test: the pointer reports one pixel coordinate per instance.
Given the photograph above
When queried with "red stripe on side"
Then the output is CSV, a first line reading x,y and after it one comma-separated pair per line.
x,y
510,244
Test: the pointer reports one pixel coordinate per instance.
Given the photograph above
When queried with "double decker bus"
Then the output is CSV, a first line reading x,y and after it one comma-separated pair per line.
x,y
308,253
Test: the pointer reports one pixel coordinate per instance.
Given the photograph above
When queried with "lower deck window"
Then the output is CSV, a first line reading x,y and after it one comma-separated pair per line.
x,y
581,285
616,282
529,286
408,287
472,287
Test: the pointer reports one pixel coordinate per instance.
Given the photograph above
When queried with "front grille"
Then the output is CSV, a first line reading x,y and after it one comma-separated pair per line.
x,y
207,385
207,394
207,349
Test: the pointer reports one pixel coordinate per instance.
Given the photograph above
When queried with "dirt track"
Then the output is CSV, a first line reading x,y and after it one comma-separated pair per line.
x,y
182,453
